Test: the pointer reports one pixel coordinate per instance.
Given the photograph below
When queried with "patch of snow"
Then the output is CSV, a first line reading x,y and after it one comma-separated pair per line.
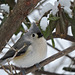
x,y
37,14
69,11
54,8
15,1
1,16
24,26
34,16
0,21
52,1
57,65
66,5
43,23
15,39
46,8
5,7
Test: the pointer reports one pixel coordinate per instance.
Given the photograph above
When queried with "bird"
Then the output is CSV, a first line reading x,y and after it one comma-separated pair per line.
x,y
29,50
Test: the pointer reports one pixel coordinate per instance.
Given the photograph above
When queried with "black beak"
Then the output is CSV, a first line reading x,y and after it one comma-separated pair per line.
x,y
39,35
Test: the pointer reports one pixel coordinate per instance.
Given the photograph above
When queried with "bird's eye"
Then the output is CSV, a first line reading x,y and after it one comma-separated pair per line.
x,y
33,35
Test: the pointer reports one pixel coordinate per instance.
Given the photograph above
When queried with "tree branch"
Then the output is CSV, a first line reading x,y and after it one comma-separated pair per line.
x,y
60,50
68,37
16,17
52,58
46,72
48,60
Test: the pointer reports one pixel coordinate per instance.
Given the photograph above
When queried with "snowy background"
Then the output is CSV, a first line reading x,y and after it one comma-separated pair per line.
x,y
57,65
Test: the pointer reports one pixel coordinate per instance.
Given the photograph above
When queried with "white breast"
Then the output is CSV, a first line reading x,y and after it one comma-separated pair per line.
x,y
35,54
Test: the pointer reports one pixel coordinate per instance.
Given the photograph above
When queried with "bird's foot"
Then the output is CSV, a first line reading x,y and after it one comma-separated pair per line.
x,y
38,66
23,71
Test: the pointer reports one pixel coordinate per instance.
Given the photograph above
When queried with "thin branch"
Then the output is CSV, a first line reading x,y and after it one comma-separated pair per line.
x,y
5,69
11,70
8,67
50,59
60,50
60,44
46,72
68,37
10,46
69,69
14,69
17,51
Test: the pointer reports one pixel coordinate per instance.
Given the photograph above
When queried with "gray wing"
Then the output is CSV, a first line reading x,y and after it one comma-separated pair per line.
x,y
19,44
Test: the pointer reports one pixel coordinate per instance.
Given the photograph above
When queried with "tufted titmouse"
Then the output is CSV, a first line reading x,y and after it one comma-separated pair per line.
x,y
34,51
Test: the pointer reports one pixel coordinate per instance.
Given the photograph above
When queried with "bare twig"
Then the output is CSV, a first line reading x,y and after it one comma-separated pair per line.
x,y
5,70
60,50
69,69
50,59
10,46
60,44
9,59
46,72
19,50
8,67
14,69
11,70
68,37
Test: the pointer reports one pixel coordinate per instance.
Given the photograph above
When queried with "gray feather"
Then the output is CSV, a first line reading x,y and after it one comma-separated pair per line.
x,y
34,29
20,43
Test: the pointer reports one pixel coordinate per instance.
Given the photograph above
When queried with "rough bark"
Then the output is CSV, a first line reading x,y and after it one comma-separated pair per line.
x,y
13,22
